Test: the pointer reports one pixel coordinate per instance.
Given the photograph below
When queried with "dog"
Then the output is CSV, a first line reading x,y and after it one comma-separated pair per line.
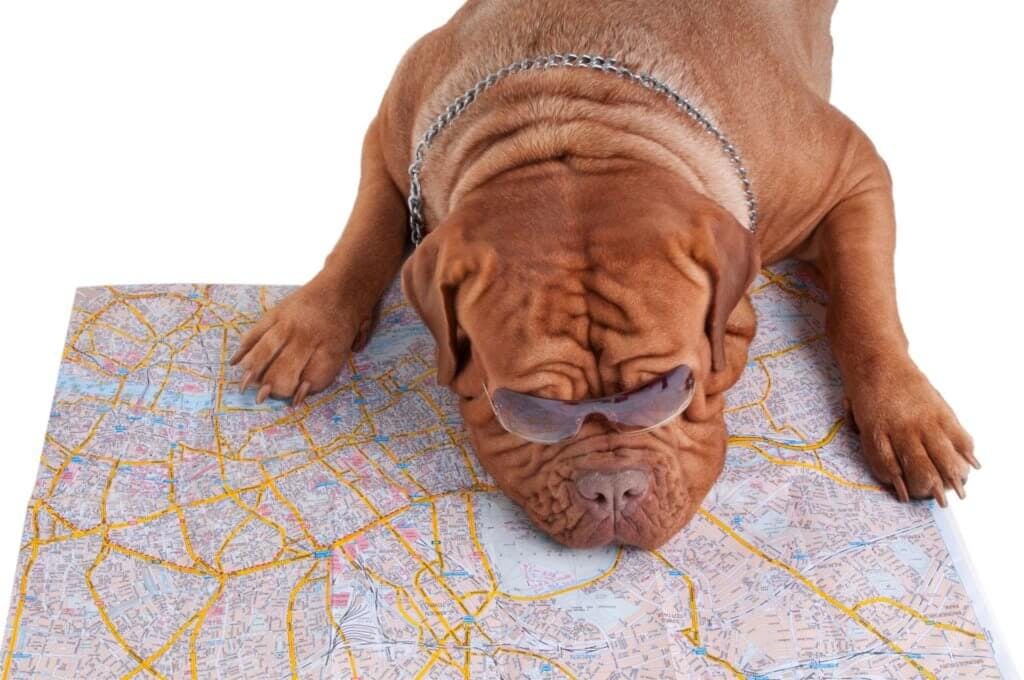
x,y
594,211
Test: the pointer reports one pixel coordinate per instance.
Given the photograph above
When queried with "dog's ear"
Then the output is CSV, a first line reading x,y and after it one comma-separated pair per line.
x,y
733,267
430,285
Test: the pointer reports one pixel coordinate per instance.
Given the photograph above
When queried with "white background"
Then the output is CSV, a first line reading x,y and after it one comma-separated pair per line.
x,y
218,141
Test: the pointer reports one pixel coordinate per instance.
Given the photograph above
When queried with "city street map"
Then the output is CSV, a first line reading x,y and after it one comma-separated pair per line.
x,y
179,530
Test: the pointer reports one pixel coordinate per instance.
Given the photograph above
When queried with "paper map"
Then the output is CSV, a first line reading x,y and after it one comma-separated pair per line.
x,y
178,530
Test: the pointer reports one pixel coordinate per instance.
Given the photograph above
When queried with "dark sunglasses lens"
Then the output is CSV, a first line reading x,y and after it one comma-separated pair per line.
x,y
653,404
534,418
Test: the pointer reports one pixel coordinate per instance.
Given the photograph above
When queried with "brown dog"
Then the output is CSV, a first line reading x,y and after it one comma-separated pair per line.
x,y
585,235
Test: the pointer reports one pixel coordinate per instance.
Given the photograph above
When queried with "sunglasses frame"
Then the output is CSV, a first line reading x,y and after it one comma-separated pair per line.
x,y
612,399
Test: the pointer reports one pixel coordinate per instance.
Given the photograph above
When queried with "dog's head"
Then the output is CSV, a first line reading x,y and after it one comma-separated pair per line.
x,y
574,282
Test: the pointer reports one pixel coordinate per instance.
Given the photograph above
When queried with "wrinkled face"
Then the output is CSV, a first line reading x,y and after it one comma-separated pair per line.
x,y
581,287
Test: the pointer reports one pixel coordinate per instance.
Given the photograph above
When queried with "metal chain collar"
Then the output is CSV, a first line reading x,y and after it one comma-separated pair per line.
x,y
417,225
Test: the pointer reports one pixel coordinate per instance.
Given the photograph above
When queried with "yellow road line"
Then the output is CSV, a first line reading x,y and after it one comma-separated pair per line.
x,y
918,615
306,579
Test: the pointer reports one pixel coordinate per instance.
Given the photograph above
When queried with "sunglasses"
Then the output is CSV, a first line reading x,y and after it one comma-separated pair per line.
x,y
547,421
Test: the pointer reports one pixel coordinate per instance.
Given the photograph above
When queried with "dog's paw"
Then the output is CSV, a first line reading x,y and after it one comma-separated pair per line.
x,y
300,346
912,440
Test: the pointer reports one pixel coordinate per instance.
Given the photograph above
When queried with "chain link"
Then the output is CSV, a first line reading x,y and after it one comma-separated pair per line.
x,y
417,224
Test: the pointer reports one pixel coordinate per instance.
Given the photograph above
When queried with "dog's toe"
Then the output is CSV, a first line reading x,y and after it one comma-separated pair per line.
x,y
913,442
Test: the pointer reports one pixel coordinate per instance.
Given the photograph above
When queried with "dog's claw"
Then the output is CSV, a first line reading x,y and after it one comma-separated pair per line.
x,y
246,379
958,486
301,394
939,494
263,394
901,490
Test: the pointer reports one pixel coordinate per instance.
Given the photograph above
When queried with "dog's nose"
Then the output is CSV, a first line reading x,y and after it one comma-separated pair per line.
x,y
612,492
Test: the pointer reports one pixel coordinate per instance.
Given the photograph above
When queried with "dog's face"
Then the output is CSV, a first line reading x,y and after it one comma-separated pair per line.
x,y
570,284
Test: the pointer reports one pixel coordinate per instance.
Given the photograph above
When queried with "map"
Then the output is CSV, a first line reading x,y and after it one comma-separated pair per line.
x,y
179,530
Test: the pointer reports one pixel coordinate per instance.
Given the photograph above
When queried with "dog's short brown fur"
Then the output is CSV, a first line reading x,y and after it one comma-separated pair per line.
x,y
586,236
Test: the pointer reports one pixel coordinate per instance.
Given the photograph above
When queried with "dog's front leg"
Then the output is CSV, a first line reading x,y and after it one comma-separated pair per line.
x,y
911,438
300,346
